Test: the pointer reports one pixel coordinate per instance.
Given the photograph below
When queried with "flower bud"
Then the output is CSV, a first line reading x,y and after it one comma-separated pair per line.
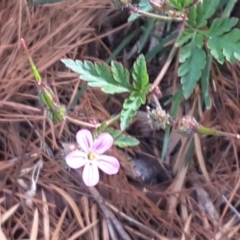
x,y
158,118
187,126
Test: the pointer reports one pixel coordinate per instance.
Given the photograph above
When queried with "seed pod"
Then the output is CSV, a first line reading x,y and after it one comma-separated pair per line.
x,y
46,97
58,114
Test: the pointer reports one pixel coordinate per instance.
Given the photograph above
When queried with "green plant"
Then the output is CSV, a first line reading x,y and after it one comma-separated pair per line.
x,y
202,34
116,80
200,39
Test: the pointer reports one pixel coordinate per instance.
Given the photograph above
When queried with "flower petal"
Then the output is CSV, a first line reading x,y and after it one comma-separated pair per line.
x,y
108,164
84,139
90,174
76,159
102,143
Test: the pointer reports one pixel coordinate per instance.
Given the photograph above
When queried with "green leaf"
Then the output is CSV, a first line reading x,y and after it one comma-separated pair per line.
x,y
221,25
123,44
200,13
158,49
130,107
193,60
145,6
191,17
120,74
180,4
223,41
97,75
199,40
122,140
185,37
176,3
147,33
140,75
142,95
41,2
205,82
189,153
176,101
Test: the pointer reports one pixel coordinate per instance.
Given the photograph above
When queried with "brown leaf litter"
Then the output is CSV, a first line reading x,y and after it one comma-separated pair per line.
x,y
41,199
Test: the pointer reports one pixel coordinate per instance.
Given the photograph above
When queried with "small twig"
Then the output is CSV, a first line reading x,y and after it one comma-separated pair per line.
x,y
109,215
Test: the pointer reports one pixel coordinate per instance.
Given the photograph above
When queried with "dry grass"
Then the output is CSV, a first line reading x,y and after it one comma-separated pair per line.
x,y
198,203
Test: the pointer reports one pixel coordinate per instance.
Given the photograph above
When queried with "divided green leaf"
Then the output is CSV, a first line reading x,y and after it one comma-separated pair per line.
x,y
138,94
130,107
180,4
120,74
193,59
223,41
99,75
140,74
201,12
122,140
185,37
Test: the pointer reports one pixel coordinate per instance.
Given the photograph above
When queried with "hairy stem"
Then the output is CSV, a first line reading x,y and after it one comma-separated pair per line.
x,y
152,15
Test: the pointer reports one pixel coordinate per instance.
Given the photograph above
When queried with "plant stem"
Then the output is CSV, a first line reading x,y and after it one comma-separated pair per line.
x,y
228,9
211,131
81,123
36,74
159,17
165,68
112,120
168,62
152,15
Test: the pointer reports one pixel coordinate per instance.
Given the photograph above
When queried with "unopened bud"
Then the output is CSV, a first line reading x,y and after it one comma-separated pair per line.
x,y
187,126
158,118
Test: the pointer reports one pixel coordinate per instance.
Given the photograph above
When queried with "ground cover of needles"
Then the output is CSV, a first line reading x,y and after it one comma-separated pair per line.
x,y
42,199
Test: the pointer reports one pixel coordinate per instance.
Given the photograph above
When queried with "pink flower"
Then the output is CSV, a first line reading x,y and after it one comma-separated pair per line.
x,y
91,156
